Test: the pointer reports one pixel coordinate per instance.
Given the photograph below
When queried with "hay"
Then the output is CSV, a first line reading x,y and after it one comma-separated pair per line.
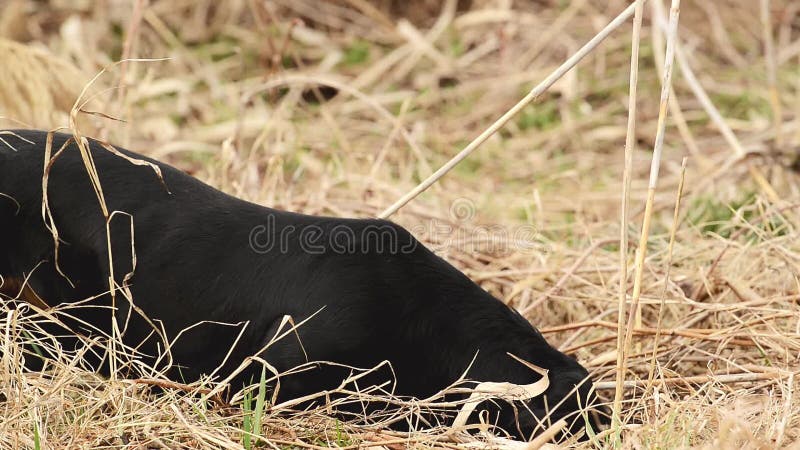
x,y
37,88
342,107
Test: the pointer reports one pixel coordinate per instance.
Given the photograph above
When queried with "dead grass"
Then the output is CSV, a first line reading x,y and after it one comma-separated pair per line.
x,y
244,103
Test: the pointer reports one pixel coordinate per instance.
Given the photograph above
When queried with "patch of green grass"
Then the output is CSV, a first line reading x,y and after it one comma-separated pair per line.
x,y
469,167
342,439
743,106
564,232
201,409
117,33
287,62
339,439
456,45
540,116
356,53
36,348
673,433
200,158
292,161
712,216
177,119
37,444
223,47
253,414
524,214
611,247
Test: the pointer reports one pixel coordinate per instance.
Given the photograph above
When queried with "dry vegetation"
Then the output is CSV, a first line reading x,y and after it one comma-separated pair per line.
x,y
341,107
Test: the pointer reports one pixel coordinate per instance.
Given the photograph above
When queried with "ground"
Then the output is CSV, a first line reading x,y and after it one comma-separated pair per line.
x,y
341,107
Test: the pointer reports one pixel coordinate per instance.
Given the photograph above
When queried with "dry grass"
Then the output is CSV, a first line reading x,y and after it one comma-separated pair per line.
x,y
533,214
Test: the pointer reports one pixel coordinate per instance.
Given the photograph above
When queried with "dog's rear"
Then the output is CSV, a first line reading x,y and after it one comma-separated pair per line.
x,y
26,244
19,190
27,247
10,207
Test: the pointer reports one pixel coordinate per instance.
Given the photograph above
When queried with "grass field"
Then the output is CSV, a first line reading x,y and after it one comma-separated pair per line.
x,y
342,107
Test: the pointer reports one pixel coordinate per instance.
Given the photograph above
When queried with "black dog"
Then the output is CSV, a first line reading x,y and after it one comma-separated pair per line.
x,y
371,290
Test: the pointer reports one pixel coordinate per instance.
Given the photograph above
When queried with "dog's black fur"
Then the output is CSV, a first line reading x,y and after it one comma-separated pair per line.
x,y
202,255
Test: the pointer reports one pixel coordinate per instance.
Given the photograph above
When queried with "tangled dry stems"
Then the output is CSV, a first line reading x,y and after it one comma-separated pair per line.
x,y
244,103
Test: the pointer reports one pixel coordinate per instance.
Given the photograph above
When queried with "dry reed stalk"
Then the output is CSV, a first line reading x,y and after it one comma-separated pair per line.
x,y
699,379
371,11
544,438
693,333
771,69
672,36
657,39
128,49
624,210
667,268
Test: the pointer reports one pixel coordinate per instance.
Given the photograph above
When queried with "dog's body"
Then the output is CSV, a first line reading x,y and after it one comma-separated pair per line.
x,y
374,292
